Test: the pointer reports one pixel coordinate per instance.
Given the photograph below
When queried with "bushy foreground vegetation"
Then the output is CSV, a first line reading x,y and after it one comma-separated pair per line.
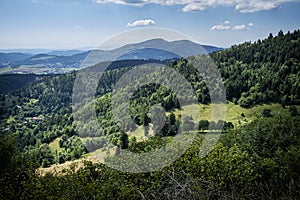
x,y
257,161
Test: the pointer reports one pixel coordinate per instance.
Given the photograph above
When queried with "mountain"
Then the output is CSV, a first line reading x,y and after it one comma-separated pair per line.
x,y
26,51
64,61
148,54
211,49
155,49
183,48
65,53
7,58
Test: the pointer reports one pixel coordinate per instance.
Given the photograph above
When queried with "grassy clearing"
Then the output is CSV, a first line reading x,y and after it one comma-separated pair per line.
x,y
234,113
54,146
140,134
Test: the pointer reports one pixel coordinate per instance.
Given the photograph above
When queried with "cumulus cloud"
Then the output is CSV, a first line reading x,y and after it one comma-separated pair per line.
x,y
240,27
243,27
227,26
254,6
142,22
191,7
123,2
220,27
243,6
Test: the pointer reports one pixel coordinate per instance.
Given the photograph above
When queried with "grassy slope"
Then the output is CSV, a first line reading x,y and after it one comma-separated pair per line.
x,y
54,146
233,114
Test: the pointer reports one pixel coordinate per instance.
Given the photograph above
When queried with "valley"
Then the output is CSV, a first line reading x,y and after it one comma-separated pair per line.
x,y
50,145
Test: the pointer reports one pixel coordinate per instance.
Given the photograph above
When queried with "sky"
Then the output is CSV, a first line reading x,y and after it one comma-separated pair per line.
x,y
77,24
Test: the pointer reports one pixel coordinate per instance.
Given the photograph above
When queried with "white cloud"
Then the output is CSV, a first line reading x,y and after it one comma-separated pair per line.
x,y
142,22
220,27
240,27
243,27
254,6
194,7
243,6
224,26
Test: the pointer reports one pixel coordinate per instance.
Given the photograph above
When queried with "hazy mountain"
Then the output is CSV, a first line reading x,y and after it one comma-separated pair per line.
x,y
53,61
147,54
211,49
65,53
183,48
12,57
26,51
151,49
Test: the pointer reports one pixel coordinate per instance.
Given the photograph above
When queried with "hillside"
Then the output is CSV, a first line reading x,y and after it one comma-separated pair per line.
x,y
257,155
264,71
10,82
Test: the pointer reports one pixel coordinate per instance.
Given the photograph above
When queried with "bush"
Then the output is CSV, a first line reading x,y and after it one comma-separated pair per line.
x,y
266,113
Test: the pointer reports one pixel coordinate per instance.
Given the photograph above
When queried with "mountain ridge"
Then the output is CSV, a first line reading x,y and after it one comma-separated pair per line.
x,y
69,61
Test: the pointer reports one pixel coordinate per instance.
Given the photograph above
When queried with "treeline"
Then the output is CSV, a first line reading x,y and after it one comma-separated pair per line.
x,y
264,71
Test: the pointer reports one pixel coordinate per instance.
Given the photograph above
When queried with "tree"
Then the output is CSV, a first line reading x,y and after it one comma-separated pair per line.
x,y
228,125
280,33
266,113
172,119
203,125
293,111
124,141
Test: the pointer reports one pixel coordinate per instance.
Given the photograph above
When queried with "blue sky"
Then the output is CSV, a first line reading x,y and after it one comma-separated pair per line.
x,y
70,24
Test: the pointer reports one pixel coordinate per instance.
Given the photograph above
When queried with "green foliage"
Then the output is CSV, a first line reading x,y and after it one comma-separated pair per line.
x,y
7,151
259,159
266,113
72,147
263,71
147,145
10,82
231,169
203,125
293,111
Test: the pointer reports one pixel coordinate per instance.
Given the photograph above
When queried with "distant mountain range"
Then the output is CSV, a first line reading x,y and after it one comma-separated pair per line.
x,y
65,53
13,57
64,61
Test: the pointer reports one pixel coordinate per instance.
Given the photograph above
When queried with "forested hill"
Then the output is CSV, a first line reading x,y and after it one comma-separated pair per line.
x,y
257,158
260,72
264,71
